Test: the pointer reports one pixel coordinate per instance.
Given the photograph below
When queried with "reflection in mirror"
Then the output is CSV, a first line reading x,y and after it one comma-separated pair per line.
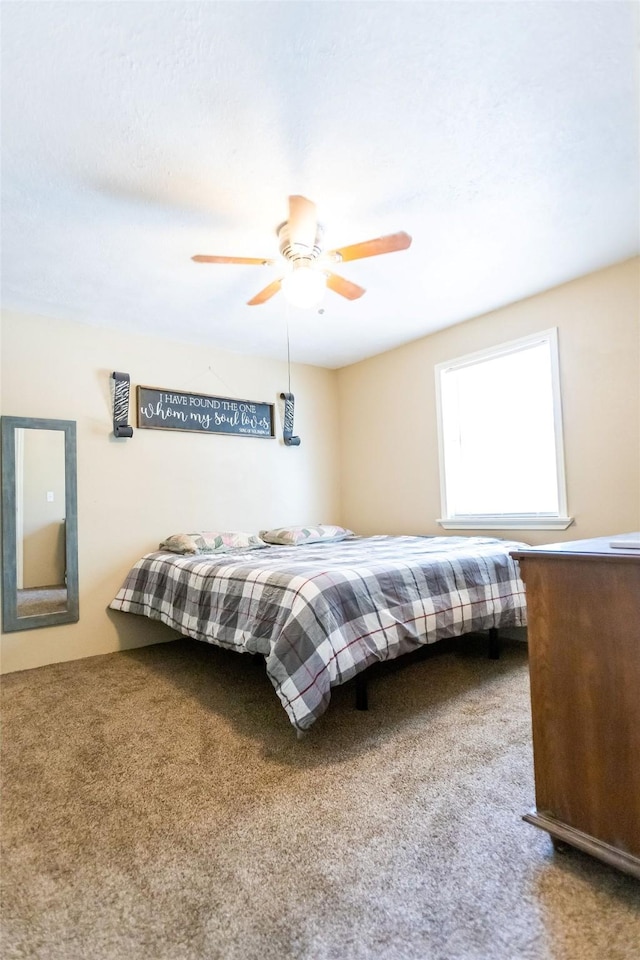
x,y
41,573
39,523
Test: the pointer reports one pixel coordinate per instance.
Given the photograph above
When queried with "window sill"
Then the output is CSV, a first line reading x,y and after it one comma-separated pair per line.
x,y
514,522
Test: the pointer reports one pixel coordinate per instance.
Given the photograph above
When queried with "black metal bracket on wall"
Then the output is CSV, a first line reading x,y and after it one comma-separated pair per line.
x,y
121,388
287,431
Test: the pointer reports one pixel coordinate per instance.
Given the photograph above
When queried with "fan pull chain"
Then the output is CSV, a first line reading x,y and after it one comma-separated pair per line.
x,y
288,353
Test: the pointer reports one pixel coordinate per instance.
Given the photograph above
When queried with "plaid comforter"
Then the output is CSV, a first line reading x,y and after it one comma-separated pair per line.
x,y
321,613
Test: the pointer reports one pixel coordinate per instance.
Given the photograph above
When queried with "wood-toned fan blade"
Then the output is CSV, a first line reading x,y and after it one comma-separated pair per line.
x,y
266,294
303,221
372,248
344,287
203,258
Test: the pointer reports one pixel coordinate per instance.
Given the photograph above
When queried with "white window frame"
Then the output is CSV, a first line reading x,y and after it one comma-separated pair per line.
x,y
508,521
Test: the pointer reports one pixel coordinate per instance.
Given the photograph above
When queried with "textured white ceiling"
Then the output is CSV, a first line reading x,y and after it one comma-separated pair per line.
x,y
502,136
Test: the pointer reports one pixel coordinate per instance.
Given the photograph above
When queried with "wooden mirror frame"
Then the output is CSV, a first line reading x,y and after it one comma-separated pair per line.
x,y
10,619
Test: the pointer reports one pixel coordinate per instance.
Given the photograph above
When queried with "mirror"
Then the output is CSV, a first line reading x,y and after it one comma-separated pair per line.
x,y
39,523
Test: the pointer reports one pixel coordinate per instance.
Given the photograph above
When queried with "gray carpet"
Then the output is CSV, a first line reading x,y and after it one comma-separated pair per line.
x,y
157,805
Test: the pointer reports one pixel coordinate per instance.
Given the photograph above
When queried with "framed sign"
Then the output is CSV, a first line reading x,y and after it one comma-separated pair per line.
x,y
162,409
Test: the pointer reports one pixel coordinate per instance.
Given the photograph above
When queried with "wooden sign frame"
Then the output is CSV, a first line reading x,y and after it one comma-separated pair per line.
x,y
160,408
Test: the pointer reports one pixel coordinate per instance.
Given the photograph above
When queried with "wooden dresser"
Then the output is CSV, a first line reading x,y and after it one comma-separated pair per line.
x,y
583,608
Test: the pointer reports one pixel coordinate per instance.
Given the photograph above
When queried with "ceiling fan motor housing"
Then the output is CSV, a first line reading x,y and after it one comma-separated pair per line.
x,y
294,251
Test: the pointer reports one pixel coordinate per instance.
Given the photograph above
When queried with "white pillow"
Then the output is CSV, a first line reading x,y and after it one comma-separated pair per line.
x,y
295,536
211,542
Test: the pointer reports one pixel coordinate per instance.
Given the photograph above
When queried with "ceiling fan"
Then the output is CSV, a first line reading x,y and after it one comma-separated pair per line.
x,y
310,267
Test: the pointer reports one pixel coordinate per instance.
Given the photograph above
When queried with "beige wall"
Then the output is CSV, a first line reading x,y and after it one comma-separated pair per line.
x,y
378,474
132,493
389,448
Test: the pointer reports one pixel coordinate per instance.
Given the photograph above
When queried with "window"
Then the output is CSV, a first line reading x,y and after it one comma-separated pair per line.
x,y
500,433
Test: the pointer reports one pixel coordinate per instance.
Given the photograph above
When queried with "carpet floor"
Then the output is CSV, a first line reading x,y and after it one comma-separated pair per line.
x,y
157,805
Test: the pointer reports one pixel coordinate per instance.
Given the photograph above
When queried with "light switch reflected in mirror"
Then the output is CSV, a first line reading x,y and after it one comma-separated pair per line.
x,y
39,523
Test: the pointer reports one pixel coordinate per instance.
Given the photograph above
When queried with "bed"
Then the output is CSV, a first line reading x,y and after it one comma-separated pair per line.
x,y
321,613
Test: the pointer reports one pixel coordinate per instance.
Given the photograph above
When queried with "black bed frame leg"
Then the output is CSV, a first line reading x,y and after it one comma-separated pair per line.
x,y
494,644
362,698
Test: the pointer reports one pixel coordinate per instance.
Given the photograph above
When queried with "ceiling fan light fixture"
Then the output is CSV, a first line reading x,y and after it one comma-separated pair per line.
x,y
308,265
305,286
